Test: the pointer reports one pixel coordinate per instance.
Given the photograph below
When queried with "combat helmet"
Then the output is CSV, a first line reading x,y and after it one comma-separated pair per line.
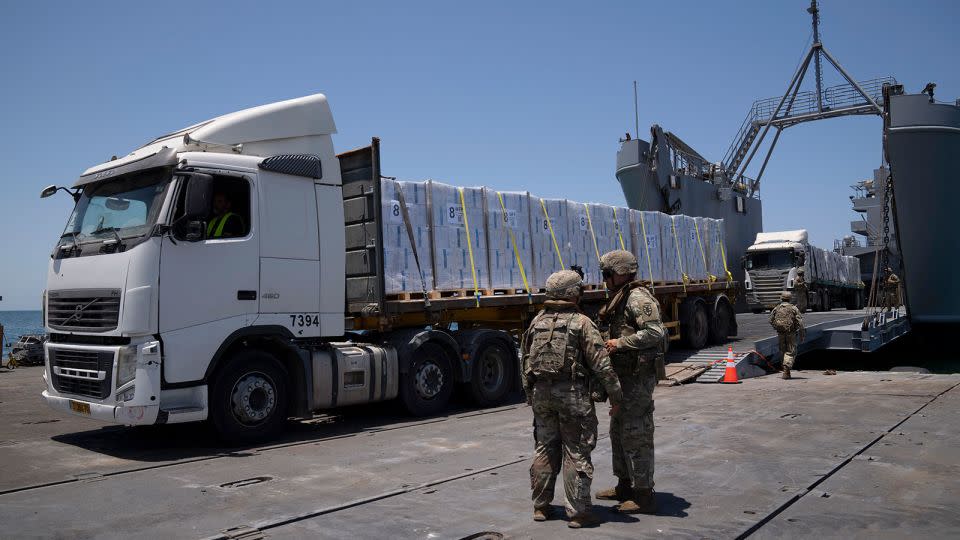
x,y
619,262
786,296
564,285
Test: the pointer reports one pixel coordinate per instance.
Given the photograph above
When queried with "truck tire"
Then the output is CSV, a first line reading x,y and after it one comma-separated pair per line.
x,y
825,300
248,401
426,387
694,324
494,369
721,323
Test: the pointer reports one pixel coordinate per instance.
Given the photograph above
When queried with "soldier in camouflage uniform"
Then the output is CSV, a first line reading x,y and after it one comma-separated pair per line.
x,y
892,297
787,332
800,290
636,341
562,352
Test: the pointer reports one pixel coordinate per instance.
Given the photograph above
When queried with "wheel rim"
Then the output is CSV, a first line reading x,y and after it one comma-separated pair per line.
x,y
429,380
254,398
491,369
700,324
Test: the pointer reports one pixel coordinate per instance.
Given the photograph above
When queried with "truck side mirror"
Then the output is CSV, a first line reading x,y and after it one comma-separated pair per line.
x,y
48,191
198,199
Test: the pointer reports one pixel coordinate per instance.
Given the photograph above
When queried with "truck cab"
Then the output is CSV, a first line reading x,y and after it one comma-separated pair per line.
x,y
770,267
141,271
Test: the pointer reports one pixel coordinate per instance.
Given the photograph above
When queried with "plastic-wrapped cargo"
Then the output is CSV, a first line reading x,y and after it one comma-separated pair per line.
x,y
400,267
714,239
550,219
456,259
693,257
611,225
583,250
647,247
853,270
673,260
704,230
508,224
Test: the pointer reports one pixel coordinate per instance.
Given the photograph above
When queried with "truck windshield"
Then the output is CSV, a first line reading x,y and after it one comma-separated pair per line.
x,y
761,260
118,209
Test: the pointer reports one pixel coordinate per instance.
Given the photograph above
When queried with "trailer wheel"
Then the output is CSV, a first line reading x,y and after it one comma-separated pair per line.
x,y
494,367
694,324
249,398
825,300
721,323
425,389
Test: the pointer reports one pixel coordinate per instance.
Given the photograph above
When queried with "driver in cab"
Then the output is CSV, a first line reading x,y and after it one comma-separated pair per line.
x,y
224,223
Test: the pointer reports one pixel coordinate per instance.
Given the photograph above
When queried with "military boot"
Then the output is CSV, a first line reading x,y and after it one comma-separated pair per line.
x,y
541,514
642,502
620,493
786,372
583,519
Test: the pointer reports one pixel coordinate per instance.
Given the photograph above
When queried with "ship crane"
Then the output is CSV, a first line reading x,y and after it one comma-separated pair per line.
x,y
796,107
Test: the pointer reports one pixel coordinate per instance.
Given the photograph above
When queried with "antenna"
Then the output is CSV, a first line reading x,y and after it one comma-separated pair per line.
x,y
636,113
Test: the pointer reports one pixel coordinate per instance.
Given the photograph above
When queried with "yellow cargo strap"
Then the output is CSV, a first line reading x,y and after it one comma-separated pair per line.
x,y
466,225
619,233
552,237
723,254
676,243
710,277
646,249
516,251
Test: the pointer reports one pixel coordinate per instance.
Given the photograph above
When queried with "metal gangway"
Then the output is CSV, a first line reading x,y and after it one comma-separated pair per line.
x,y
795,107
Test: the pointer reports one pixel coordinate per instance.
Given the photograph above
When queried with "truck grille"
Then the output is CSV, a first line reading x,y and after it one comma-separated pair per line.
x,y
84,310
767,287
84,373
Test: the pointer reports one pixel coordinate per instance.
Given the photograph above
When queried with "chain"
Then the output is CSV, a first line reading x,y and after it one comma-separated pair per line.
x,y
887,198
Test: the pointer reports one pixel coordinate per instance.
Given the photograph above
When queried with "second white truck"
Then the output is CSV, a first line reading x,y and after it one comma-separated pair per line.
x,y
771,266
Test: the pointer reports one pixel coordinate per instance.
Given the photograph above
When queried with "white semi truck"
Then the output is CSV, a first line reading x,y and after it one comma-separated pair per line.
x,y
771,265
157,313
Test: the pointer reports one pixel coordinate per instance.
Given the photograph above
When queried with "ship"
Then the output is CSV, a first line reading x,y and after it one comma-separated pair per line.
x,y
922,147
868,236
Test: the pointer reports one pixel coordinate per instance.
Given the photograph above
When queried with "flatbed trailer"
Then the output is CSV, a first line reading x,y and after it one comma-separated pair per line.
x,y
694,313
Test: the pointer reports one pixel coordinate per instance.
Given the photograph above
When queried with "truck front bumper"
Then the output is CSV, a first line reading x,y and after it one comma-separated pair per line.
x,y
115,414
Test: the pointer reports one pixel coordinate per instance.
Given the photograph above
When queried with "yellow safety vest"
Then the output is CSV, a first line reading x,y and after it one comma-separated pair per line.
x,y
216,225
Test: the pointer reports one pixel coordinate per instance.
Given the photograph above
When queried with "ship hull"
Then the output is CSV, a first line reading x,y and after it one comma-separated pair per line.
x,y
923,148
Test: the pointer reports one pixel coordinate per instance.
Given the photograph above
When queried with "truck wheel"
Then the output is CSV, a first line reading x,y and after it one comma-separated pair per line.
x,y
694,324
721,323
425,389
494,367
249,398
825,300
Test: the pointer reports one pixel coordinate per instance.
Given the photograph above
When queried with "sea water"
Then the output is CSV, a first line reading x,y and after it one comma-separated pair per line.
x,y
19,323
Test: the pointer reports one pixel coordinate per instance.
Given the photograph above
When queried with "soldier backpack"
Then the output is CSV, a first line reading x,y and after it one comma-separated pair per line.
x,y
783,320
548,356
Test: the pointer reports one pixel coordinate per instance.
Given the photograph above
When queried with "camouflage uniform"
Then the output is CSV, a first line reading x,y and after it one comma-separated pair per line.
x,y
788,340
892,297
564,417
800,291
632,317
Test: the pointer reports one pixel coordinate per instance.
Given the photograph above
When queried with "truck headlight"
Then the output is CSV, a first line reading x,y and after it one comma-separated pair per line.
x,y
126,366
127,394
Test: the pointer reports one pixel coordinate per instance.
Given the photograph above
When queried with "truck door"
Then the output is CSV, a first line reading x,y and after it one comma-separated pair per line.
x,y
208,289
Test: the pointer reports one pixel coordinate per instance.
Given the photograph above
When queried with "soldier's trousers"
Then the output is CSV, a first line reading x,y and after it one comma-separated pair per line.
x,y
788,347
565,432
631,431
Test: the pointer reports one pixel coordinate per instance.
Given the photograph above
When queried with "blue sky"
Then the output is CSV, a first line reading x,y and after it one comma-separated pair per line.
x,y
507,94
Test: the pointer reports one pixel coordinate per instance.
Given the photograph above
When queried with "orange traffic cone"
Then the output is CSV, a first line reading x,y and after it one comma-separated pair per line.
x,y
730,375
